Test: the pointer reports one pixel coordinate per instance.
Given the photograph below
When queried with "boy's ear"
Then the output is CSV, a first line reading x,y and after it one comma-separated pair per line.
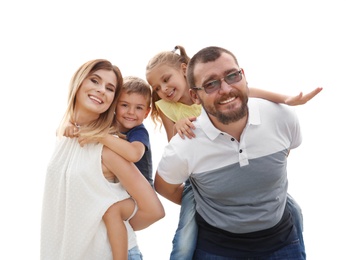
x,y
194,96
147,112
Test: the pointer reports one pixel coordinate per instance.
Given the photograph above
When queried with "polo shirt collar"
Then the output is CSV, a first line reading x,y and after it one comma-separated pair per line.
x,y
212,132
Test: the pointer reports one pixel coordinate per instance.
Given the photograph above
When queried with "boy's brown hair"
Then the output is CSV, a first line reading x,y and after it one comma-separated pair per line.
x,y
137,85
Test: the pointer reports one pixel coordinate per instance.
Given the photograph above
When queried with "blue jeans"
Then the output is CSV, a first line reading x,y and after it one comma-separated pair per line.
x,y
185,238
135,254
297,217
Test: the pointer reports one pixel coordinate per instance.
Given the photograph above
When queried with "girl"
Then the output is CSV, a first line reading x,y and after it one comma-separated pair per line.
x,y
86,185
174,108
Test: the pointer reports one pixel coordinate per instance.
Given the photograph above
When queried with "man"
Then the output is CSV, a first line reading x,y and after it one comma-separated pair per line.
x,y
236,164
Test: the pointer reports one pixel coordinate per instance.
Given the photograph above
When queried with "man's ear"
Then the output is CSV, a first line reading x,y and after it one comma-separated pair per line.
x,y
194,96
242,72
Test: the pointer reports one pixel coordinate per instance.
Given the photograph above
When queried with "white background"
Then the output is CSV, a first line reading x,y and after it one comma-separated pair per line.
x,y
284,46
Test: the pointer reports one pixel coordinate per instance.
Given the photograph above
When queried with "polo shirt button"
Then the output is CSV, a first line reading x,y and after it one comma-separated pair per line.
x,y
232,139
240,151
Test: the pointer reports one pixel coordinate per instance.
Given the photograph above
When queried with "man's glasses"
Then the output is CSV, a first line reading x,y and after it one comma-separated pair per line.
x,y
214,85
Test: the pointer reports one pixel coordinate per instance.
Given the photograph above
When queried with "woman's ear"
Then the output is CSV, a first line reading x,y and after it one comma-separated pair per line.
x,y
194,96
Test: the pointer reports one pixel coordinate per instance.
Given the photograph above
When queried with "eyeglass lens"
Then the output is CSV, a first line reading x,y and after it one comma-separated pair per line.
x,y
229,79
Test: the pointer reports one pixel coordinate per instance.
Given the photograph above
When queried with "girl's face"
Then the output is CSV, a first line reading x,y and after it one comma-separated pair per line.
x,y
169,83
95,95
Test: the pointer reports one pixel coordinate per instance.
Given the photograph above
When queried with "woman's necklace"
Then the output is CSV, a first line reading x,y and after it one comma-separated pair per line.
x,y
77,125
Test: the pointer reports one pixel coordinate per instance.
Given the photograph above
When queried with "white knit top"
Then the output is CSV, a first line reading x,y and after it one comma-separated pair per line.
x,y
76,196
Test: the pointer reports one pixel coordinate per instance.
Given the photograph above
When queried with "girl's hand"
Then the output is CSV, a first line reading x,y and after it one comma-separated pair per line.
x,y
185,127
302,99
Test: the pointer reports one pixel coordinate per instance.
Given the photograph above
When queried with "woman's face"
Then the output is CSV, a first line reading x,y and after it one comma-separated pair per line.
x,y
168,82
95,95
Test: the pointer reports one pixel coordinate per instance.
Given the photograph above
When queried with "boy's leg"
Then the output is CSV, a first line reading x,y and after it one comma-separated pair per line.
x,y
117,233
185,238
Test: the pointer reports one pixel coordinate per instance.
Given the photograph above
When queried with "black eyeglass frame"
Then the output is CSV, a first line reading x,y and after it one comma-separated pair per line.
x,y
219,81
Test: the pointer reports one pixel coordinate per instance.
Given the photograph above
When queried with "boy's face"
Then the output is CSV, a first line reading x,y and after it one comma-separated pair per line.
x,y
131,110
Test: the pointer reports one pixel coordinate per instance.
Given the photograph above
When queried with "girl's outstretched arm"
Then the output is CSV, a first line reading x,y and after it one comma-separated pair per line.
x,y
299,99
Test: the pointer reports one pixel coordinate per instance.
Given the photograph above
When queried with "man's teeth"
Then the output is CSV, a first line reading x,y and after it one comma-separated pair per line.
x,y
228,100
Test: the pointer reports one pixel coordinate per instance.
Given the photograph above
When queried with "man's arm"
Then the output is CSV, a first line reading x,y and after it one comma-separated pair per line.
x,y
172,192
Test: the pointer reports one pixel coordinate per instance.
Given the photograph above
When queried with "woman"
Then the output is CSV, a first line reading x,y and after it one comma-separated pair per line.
x,y
84,183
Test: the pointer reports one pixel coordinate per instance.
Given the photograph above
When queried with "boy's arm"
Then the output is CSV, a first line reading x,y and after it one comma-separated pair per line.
x,y
299,99
132,152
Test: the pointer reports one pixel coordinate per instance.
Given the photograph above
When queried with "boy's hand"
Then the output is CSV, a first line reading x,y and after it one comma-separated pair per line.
x,y
84,140
71,130
185,127
302,99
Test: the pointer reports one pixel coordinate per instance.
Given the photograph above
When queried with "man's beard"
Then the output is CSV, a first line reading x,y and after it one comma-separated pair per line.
x,y
229,116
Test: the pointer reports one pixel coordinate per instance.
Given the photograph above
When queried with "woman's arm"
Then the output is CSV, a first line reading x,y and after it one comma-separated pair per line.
x,y
150,208
299,99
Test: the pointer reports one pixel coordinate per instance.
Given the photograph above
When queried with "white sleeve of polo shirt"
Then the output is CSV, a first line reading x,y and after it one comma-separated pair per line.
x,y
295,131
172,167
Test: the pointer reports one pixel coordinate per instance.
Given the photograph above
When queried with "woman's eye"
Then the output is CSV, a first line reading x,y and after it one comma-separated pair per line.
x,y
94,81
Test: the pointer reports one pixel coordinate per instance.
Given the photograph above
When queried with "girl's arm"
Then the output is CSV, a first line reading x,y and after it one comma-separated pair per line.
x,y
299,99
150,208
168,125
184,127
